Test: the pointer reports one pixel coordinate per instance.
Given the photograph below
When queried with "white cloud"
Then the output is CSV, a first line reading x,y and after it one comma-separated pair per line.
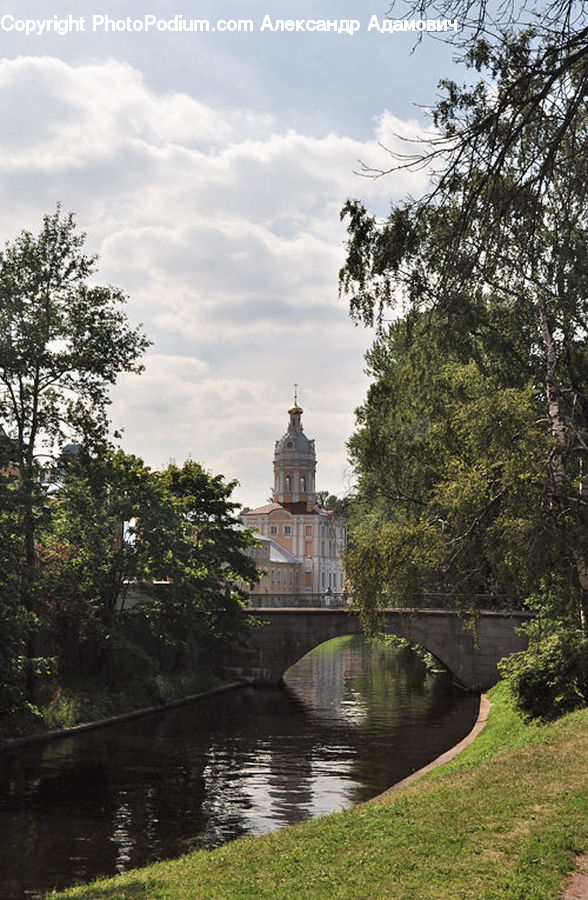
x,y
57,116
224,229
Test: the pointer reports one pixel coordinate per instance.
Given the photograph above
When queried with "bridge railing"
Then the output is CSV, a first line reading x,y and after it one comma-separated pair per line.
x,y
490,601
297,601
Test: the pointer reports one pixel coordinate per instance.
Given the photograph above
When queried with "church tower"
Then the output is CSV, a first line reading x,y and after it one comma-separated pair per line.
x,y
295,463
301,546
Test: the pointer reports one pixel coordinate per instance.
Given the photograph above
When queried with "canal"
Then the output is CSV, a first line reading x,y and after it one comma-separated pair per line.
x,y
353,717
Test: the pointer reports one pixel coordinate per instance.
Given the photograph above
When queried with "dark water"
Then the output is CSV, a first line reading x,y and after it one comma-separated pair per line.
x,y
353,719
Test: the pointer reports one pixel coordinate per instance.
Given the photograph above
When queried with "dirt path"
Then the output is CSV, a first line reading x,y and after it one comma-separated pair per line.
x,y
577,888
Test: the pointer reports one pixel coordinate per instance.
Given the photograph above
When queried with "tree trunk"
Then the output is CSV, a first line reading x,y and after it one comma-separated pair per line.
x,y
559,429
29,582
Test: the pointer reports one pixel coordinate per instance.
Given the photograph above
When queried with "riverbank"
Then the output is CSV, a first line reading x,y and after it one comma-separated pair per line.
x,y
58,733
503,820
79,705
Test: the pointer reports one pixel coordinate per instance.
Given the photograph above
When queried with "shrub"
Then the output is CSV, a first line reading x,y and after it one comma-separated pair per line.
x,y
20,721
61,712
550,678
130,660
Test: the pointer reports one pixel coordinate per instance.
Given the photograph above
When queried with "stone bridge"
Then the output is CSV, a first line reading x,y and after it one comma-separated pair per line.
x,y
469,646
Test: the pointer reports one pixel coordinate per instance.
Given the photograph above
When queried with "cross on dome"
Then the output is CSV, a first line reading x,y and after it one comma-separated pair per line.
x,y
296,410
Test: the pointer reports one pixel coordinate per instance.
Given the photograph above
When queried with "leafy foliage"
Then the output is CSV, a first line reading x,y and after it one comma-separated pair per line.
x,y
550,678
16,622
453,497
62,341
115,522
199,548
86,559
532,70
77,531
339,505
472,445
62,344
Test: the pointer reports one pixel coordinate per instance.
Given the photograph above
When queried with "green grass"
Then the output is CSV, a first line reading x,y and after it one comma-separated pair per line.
x,y
87,701
503,820
77,700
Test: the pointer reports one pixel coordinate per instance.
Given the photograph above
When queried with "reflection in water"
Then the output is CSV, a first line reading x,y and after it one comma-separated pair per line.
x,y
353,718
122,835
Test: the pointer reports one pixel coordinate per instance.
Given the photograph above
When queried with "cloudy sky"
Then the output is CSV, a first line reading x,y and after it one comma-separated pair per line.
x,y
208,170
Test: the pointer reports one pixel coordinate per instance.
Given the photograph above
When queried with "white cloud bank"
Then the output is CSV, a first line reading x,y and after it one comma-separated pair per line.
x,y
223,227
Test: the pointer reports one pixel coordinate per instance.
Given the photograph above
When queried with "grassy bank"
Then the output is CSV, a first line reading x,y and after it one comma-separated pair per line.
x,y
77,701
502,821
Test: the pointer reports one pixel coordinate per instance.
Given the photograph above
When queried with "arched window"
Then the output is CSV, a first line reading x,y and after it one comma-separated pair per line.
x,y
288,483
303,482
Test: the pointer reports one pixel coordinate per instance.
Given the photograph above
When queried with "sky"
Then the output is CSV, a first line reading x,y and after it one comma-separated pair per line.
x,y
208,171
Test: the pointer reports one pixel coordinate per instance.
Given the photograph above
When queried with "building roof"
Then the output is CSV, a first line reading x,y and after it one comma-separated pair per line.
x,y
263,510
280,555
300,509
295,509
294,441
277,553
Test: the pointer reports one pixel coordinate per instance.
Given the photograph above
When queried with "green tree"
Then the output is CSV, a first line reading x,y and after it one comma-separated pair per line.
x,y
202,553
453,493
339,505
88,556
532,68
115,522
63,342
16,623
493,262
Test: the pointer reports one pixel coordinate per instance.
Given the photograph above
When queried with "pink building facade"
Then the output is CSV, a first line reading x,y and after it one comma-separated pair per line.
x,y
306,543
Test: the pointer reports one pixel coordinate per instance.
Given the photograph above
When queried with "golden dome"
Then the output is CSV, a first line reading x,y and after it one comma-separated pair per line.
x,y
295,410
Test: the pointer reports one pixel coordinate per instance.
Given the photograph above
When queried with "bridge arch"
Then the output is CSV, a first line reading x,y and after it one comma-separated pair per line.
x,y
471,653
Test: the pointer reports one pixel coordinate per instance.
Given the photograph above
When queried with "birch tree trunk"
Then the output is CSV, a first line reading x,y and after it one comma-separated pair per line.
x,y
561,432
